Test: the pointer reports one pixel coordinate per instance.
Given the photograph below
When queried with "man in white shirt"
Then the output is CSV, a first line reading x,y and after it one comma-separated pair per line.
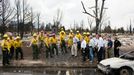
x,y
105,46
100,48
91,49
74,46
83,48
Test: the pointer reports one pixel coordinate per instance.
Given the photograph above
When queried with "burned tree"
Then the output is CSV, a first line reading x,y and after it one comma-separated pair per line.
x,y
98,12
22,14
57,19
6,15
90,23
18,14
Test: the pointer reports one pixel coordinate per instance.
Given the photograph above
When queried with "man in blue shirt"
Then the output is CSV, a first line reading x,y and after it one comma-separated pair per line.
x,y
109,49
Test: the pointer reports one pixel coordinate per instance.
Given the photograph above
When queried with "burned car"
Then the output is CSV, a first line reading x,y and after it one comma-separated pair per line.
x,y
123,65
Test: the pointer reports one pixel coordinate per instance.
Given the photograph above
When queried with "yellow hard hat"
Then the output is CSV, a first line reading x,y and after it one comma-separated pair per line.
x,y
8,38
77,31
88,33
61,28
34,34
84,33
5,36
62,31
17,37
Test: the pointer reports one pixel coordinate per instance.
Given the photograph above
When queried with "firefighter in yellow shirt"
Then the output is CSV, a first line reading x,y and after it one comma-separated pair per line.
x,y
62,32
70,40
47,46
54,42
41,38
34,44
62,42
12,47
18,49
79,36
87,39
5,50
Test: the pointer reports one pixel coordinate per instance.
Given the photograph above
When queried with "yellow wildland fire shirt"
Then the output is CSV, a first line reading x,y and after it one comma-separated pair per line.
x,y
87,39
5,45
62,38
64,34
79,36
34,41
18,43
54,40
47,41
41,37
12,42
70,42
70,35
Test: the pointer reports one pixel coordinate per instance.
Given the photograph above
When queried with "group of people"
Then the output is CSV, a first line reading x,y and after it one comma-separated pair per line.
x,y
89,45
11,45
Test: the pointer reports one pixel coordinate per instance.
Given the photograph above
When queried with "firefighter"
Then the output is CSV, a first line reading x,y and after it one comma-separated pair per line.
x,y
54,42
47,46
62,32
5,50
87,39
41,40
62,42
79,36
70,40
34,44
12,47
18,49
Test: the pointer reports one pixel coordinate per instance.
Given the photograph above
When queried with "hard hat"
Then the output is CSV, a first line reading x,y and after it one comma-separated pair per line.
x,y
71,31
62,31
5,36
84,33
61,28
34,34
8,38
77,31
88,33
17,37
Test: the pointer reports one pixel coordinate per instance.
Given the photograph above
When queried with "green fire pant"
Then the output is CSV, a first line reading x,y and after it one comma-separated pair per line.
x,y
35,52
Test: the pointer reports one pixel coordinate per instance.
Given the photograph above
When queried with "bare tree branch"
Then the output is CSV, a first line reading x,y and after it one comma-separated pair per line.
x,y
85,11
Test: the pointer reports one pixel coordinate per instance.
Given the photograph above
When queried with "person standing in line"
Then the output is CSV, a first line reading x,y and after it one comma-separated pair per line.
x,y
63,42
95,38
87,39
91,49
48,46
54,42
5,51
79,36
70,40
12,47
100,48
117,44
41,41
18,49
109,49
34,44
105,47
74,46
83,49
